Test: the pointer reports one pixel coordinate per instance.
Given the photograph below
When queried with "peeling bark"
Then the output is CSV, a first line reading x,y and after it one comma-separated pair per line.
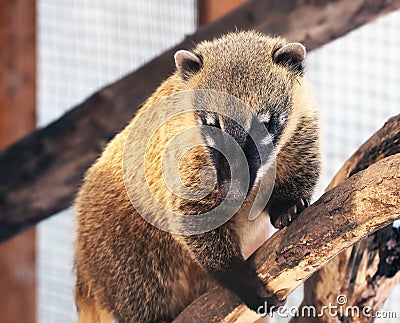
x,y
367,272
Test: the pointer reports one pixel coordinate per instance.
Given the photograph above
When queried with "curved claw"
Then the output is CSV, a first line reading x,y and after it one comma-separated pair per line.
x,y
292,214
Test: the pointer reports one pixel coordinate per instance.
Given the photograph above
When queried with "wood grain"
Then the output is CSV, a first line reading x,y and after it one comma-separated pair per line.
x,y
367,272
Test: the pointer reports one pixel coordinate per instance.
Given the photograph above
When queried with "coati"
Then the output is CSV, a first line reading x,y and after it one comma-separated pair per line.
x,y
129,270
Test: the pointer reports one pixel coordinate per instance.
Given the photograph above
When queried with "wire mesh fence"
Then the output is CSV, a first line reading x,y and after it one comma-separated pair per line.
x,y
84,45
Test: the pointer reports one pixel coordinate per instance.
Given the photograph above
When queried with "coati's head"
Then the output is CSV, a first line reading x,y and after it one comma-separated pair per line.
x,y
263,73
201,142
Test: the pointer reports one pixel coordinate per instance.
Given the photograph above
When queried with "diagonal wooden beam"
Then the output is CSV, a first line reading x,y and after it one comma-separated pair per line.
x,y
40,174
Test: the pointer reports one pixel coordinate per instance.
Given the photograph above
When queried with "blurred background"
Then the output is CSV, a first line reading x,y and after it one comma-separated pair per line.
x,y
83,45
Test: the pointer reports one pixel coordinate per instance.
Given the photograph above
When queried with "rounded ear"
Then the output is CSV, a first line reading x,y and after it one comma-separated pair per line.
x,y
292,55
187,63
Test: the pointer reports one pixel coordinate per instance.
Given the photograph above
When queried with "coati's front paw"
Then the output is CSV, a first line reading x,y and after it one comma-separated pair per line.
x,y
285,219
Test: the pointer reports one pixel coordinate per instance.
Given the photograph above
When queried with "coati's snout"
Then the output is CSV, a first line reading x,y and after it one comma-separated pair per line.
x,y
236,150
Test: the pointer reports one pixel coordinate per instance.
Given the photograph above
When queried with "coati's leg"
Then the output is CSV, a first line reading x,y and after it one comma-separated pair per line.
x,y
88,309
218,252
294,186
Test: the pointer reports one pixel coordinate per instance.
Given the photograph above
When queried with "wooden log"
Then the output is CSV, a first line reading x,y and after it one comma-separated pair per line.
x,y
40,174
367,272
354,209
210,10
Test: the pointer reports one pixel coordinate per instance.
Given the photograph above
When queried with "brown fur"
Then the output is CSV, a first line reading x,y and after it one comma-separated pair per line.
x,y
129,270
112,238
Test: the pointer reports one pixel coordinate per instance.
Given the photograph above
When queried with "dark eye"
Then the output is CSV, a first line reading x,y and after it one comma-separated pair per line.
x,y
210,119
263,120
268,125
264,117
274,121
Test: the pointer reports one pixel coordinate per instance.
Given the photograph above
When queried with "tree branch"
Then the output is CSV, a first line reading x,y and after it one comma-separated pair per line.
x,y
354,209
367,272
40,174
